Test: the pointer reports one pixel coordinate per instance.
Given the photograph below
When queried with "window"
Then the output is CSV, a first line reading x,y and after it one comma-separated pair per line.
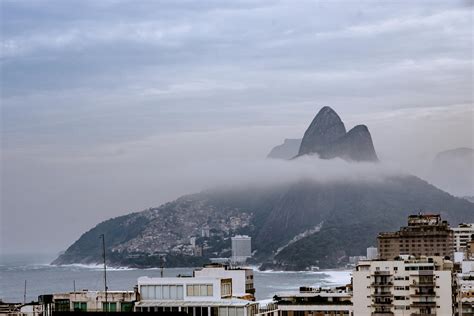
x,y
61,305
166,292
112,307
199,290
179,292
173,291
226,289
162,292
80,306
145,292
223,311
126,307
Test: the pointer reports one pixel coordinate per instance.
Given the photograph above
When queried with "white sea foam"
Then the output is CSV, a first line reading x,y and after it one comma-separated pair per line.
x,y
95,267
337,277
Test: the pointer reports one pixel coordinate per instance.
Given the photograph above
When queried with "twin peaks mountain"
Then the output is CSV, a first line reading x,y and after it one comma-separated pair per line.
x,y
327,137
294,225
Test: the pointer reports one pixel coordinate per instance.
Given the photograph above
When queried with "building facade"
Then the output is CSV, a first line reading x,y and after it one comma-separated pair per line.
x,y
372,253
241,248
403,287
89,301
311,302
242,278
425,235
196,296
462,235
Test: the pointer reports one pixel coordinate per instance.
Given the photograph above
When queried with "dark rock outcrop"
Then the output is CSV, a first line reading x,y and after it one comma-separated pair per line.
x,y
326,136
287,150
325,129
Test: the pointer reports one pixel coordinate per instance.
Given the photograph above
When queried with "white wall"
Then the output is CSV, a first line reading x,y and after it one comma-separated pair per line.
x,y
238,277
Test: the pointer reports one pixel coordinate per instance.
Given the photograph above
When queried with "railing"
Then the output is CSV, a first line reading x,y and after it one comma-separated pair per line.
x,y
423,304
379,304
382,283
418,294
382,313
423,283
382,273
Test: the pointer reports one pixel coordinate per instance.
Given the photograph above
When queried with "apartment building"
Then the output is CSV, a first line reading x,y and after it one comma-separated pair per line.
x,y
310,301
88,301
407,286
241,248
462,235
425,235
196,296
465,289
242,278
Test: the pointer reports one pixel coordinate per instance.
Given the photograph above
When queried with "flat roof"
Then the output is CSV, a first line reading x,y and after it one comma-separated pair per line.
x,y
180,303
312,294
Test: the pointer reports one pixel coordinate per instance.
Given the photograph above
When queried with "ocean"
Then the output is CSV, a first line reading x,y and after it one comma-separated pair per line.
x,y
43,278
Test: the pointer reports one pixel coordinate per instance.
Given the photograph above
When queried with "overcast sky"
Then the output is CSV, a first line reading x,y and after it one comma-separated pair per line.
x,y
115,106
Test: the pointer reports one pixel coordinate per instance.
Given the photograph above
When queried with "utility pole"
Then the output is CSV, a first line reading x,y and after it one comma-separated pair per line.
x,y
24,294
105,273
161,266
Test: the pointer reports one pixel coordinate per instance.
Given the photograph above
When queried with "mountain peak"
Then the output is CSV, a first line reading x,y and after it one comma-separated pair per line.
x,y
327,137
325,128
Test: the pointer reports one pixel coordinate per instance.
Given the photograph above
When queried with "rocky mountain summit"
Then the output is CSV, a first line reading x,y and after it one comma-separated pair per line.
x,y
327,137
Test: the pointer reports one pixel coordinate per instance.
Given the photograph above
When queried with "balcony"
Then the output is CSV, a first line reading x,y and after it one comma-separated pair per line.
x,y
382,304
382,294
423,294
423,284
382,273
423,304
381,284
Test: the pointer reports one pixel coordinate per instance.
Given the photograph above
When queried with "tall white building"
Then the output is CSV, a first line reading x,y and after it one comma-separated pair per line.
x,y
372,253
241,248
403,287
462,235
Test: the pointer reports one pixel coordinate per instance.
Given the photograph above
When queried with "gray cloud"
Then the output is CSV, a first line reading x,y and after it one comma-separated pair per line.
x,y
112,106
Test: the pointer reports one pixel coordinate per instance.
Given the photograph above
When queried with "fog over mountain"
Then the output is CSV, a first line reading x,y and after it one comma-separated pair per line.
x,y
453,170
117,106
